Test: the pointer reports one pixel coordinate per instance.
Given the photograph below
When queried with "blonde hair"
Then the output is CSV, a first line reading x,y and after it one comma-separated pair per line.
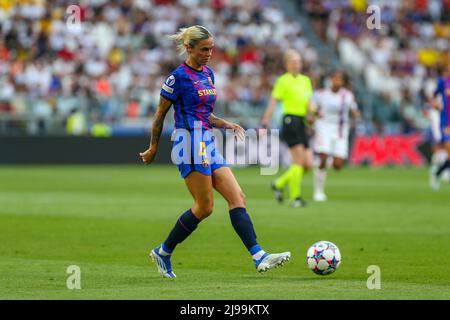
x,y
289,53
189,37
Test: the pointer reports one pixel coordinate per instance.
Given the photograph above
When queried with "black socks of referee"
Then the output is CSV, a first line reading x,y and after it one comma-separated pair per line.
x,y
185,225
442,168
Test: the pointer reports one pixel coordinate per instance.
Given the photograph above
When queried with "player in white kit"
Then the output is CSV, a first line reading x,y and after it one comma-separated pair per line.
x,y
334,106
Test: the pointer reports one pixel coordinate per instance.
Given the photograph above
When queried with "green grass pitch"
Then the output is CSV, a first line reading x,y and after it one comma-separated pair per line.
x,y
105,219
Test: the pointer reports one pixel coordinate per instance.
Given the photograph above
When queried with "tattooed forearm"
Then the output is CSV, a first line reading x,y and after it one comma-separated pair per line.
x,y
158,121
157,127
213,120
217,122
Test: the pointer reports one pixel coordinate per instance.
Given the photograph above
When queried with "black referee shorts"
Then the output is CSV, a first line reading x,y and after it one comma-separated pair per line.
x,y
294,131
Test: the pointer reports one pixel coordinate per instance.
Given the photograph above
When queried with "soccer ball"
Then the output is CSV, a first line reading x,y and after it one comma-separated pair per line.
x,y
323,258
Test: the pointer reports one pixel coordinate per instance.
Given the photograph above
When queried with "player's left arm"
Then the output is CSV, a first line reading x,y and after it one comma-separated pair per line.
x,y
354,111
220,123
313,112
314,107
356,114
157,126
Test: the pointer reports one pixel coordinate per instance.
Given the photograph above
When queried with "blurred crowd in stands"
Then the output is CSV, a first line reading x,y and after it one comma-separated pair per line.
x,y
104,75
107,72
399,62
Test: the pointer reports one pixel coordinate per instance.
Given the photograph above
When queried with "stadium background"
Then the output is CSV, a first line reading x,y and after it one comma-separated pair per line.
x,y
103,79
73,96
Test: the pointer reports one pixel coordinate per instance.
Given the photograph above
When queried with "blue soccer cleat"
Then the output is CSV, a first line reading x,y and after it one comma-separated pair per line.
x,y
271,260
162,263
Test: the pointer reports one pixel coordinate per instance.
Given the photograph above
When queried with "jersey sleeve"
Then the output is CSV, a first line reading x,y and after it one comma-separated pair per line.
x,y
352,102
171,88
278,89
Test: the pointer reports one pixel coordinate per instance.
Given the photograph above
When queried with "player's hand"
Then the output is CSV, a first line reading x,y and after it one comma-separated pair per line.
x,y
435,104
238,130
310,119
148,155
265,122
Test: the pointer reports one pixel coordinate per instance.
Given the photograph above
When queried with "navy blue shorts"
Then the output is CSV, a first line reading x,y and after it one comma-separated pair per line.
x,y
196,151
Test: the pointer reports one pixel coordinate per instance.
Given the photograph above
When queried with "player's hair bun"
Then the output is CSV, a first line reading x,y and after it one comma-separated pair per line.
x,y
189,37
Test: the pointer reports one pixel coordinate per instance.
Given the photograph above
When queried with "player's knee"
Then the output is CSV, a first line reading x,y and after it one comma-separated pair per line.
x,y
205,208
338,165
322,164
208,208
242,200
238,201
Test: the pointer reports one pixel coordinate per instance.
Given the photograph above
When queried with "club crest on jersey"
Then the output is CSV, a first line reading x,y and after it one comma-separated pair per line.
x,y
205,163
447,131
210,81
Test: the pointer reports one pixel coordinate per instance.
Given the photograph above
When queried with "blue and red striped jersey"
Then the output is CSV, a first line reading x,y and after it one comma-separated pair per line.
x,y
193,95
443,90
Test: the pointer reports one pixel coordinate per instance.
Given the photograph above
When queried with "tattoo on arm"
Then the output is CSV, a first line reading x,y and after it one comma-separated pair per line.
x,y
217,122
213,120
158,122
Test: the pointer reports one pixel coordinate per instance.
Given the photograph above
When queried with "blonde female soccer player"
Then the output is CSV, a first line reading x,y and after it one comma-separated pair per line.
x,y
190,89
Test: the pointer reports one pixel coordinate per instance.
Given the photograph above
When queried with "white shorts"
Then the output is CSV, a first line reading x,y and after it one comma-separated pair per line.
x,y
328,139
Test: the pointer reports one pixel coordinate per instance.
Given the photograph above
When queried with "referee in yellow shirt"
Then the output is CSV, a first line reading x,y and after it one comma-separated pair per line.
x,y
295,91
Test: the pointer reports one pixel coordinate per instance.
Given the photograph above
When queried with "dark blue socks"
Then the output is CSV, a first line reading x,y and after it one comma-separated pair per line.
x,y
185,225
243,226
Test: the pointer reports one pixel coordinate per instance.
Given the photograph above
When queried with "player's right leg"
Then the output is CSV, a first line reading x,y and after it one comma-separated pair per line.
x,y
437,160
323,146
438,152
340,154
295,134
320,175
299,155
292,177
445,166
200,186
226,184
